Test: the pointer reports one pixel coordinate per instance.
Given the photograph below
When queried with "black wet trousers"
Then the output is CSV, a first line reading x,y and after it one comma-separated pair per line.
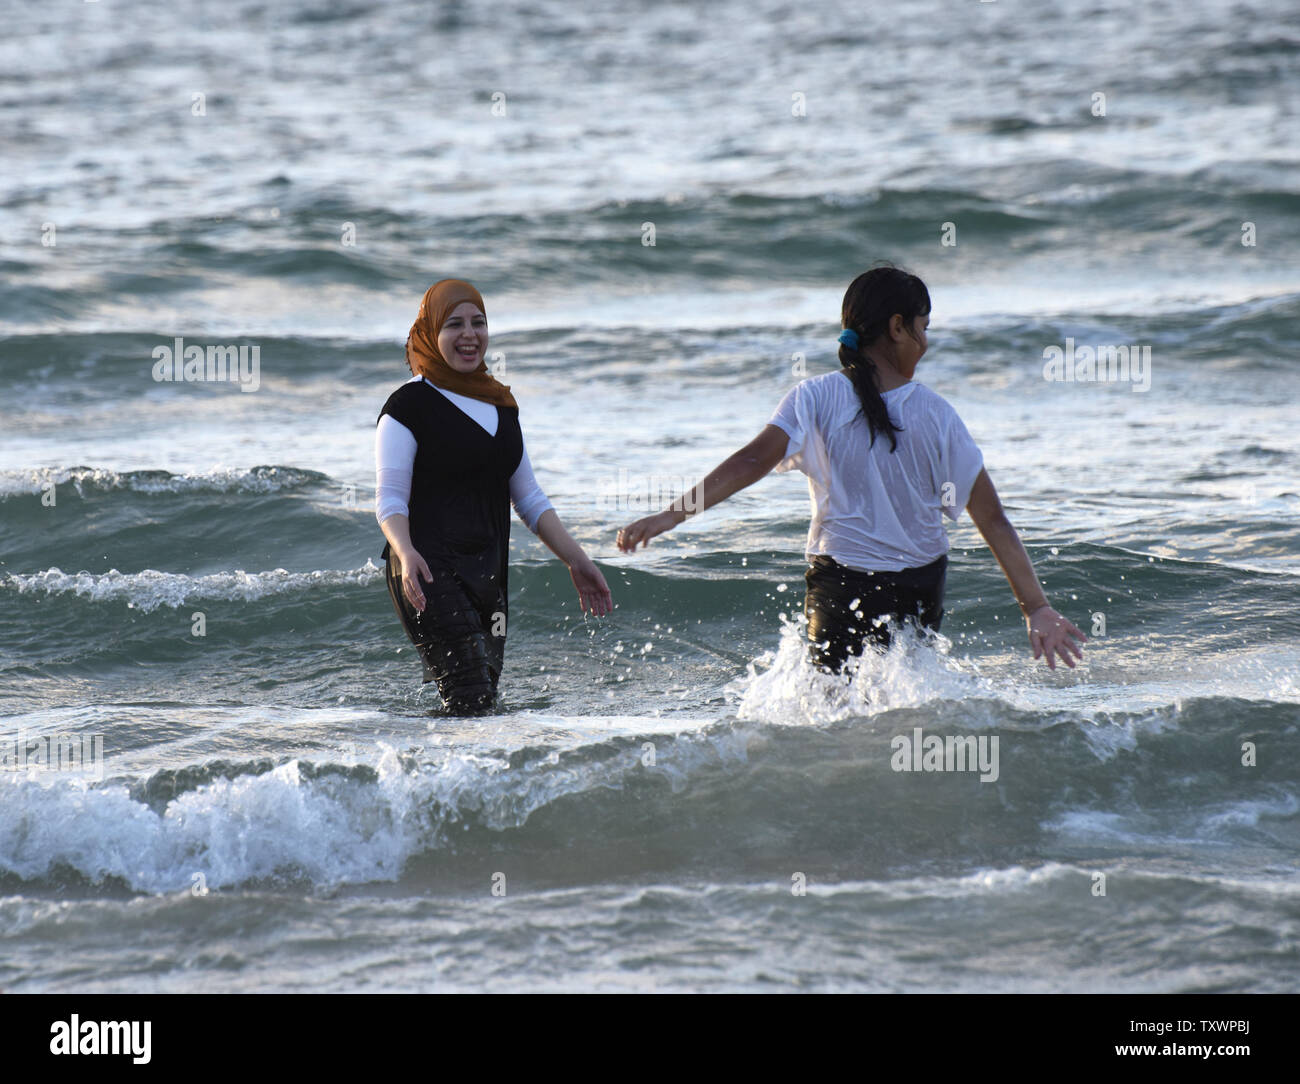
x,y
454,638
842,602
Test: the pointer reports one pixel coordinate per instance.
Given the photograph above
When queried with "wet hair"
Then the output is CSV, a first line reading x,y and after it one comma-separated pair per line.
x,y
870,301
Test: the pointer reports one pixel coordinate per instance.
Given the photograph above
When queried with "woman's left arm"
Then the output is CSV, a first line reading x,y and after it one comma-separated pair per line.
x,y
593,591
527,497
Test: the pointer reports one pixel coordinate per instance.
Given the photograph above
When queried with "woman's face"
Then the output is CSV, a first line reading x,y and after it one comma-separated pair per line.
x,y
463,339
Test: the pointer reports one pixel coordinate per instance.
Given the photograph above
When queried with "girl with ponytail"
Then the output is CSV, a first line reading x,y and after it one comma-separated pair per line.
x,y
886,459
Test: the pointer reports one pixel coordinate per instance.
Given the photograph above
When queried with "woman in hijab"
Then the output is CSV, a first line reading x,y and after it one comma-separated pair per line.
x,y
886,459
450,461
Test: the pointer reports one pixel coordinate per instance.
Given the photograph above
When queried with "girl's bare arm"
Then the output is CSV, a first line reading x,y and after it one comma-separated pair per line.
x,y
740,469
1049,632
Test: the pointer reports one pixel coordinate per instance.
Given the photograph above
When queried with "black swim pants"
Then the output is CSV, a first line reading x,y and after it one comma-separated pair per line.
x,y
454,638
842,605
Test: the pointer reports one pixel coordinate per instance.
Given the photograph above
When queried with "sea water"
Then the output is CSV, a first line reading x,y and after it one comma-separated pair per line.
x,y
662,206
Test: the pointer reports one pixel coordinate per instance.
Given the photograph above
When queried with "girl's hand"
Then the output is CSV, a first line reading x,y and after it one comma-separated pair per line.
x,y
413,565
593,591
645,529
1049,634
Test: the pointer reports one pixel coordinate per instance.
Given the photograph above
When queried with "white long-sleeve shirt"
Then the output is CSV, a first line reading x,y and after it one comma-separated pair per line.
x,y
395,447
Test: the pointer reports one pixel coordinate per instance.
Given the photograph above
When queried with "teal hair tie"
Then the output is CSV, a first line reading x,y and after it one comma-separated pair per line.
x,y
849,338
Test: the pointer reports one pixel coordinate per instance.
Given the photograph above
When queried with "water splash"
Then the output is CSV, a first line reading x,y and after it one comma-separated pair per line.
x,y
783,686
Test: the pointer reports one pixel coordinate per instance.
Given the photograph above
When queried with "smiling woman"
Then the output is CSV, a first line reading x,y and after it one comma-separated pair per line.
x,y
450,461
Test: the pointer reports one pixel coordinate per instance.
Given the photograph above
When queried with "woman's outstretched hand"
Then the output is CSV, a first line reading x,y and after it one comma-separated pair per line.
x,y
593,591
413,565
645,529
1049,634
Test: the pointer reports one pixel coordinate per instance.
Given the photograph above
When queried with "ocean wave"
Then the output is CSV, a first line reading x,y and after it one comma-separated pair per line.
x,y
150,589
653,797
94,481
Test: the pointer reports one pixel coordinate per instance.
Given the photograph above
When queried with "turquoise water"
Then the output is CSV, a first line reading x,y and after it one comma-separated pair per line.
x,y
280,809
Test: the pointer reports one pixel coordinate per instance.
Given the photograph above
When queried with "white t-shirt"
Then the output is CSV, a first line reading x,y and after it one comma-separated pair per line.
x,y
395,449
874,510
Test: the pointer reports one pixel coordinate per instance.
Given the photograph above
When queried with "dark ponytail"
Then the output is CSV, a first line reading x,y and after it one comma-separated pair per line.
x,y
869,302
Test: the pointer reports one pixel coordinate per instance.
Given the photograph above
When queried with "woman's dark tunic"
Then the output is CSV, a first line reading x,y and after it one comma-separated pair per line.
x,y
460,524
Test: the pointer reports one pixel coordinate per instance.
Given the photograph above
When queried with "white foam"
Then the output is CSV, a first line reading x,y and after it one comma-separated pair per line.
x,y
228,831
330,829
217,480
784,687
1215,824
150,589
1009,879
1117,695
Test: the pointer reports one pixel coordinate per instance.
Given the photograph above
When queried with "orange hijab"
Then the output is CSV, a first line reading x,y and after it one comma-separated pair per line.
x,y
424,357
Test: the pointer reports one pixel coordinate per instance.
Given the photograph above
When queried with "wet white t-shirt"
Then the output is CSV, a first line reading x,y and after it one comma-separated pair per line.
x,y
875,510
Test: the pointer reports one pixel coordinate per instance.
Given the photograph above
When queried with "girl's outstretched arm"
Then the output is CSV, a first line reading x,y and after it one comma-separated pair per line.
x,y
1049,632
738,470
